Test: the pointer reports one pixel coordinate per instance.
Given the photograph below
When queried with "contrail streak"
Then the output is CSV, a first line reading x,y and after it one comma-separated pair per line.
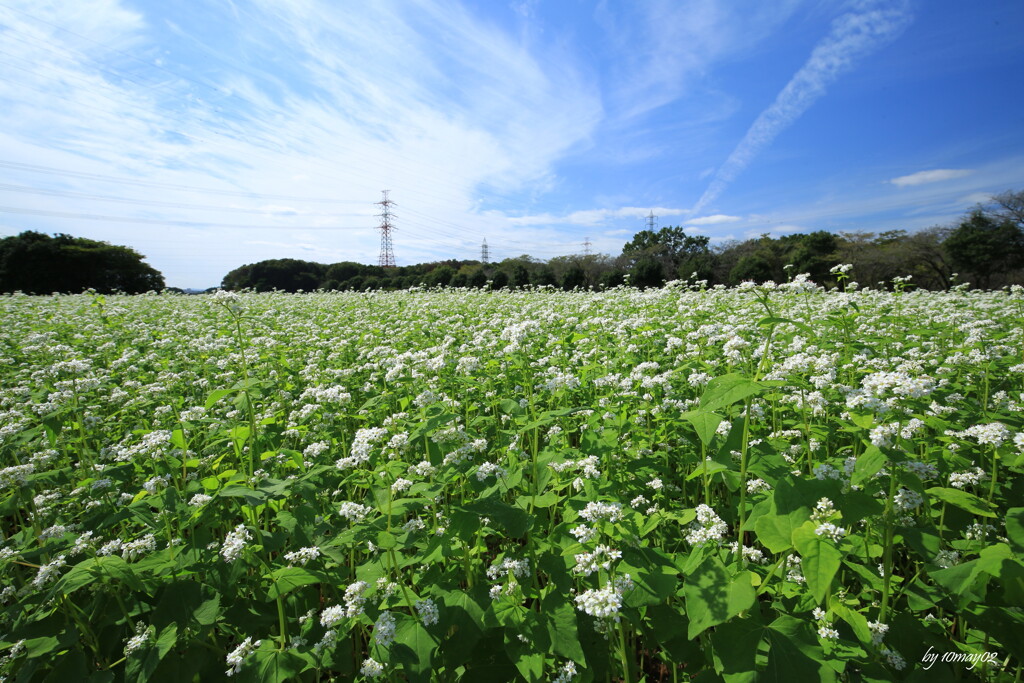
x,y
854,35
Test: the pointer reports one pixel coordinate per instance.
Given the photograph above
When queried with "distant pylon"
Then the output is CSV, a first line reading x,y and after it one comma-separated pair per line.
x,y
586,246
387,254
485,256
652,221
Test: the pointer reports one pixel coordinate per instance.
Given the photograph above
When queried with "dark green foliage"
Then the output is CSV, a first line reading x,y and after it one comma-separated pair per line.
x,y
287,275
986,246
647,272
36,263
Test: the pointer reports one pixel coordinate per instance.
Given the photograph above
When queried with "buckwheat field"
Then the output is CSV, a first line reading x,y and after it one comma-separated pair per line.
x,y
765,483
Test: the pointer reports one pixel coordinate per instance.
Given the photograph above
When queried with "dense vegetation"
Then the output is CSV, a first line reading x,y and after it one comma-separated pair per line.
x,y
771,482
985,248
35,263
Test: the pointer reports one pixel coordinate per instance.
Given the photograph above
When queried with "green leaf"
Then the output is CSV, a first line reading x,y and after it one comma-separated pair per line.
x,y
559,618
857,621
412,647
820,560
963,500
287,579
868,465
795,654
775,532
271,665
1015,529
514,520
713,595
735,648
705,422
726,390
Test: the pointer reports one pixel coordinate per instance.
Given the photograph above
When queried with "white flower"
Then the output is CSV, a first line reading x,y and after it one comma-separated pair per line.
x,y
354,512
583,533
830,530
354,599
371,668
234,543
827,632
302,556
595,511
331,616
236,658
601,558
708,527
384,629
602,603
878,631
427,611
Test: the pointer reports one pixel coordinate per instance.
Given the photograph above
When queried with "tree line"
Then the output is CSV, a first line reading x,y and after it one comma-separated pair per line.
x,y
985,248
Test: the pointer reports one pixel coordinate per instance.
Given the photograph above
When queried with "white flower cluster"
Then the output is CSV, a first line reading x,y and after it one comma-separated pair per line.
x,y
302,556
583,533
993,434
708,527
143,635
878,631
947,558
384,629
48,571
906,500
354,599
830,530
354,512
490,469
758,486
234,543
601,558
960,480
15,475
566,673
199,500
371,668
422,469
595,511
754,555
236,658
894,658
428,612
518,568
362,443
140,546
605,603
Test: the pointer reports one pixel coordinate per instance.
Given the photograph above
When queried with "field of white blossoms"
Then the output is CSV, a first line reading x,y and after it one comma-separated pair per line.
x,y
770,483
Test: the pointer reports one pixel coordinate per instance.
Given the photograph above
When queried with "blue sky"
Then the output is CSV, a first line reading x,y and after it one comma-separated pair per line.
x,y
208,134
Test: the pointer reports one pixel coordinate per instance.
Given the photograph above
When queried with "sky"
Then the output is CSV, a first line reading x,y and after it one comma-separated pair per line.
x,y
207,134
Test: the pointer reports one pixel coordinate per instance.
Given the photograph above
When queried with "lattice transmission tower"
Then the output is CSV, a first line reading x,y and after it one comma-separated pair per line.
x,y
587,244
387,253
485,255
652,221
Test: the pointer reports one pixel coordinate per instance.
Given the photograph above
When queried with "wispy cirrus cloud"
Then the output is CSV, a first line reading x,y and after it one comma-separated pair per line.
x,y
304,99
933,176
855,34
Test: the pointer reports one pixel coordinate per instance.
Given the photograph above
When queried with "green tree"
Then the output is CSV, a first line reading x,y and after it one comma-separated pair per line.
x,y
36,263
986,246
647,272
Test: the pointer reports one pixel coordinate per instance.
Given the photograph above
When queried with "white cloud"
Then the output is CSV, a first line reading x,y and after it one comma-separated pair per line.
x,y
716,219
854,35
934,176
299,102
